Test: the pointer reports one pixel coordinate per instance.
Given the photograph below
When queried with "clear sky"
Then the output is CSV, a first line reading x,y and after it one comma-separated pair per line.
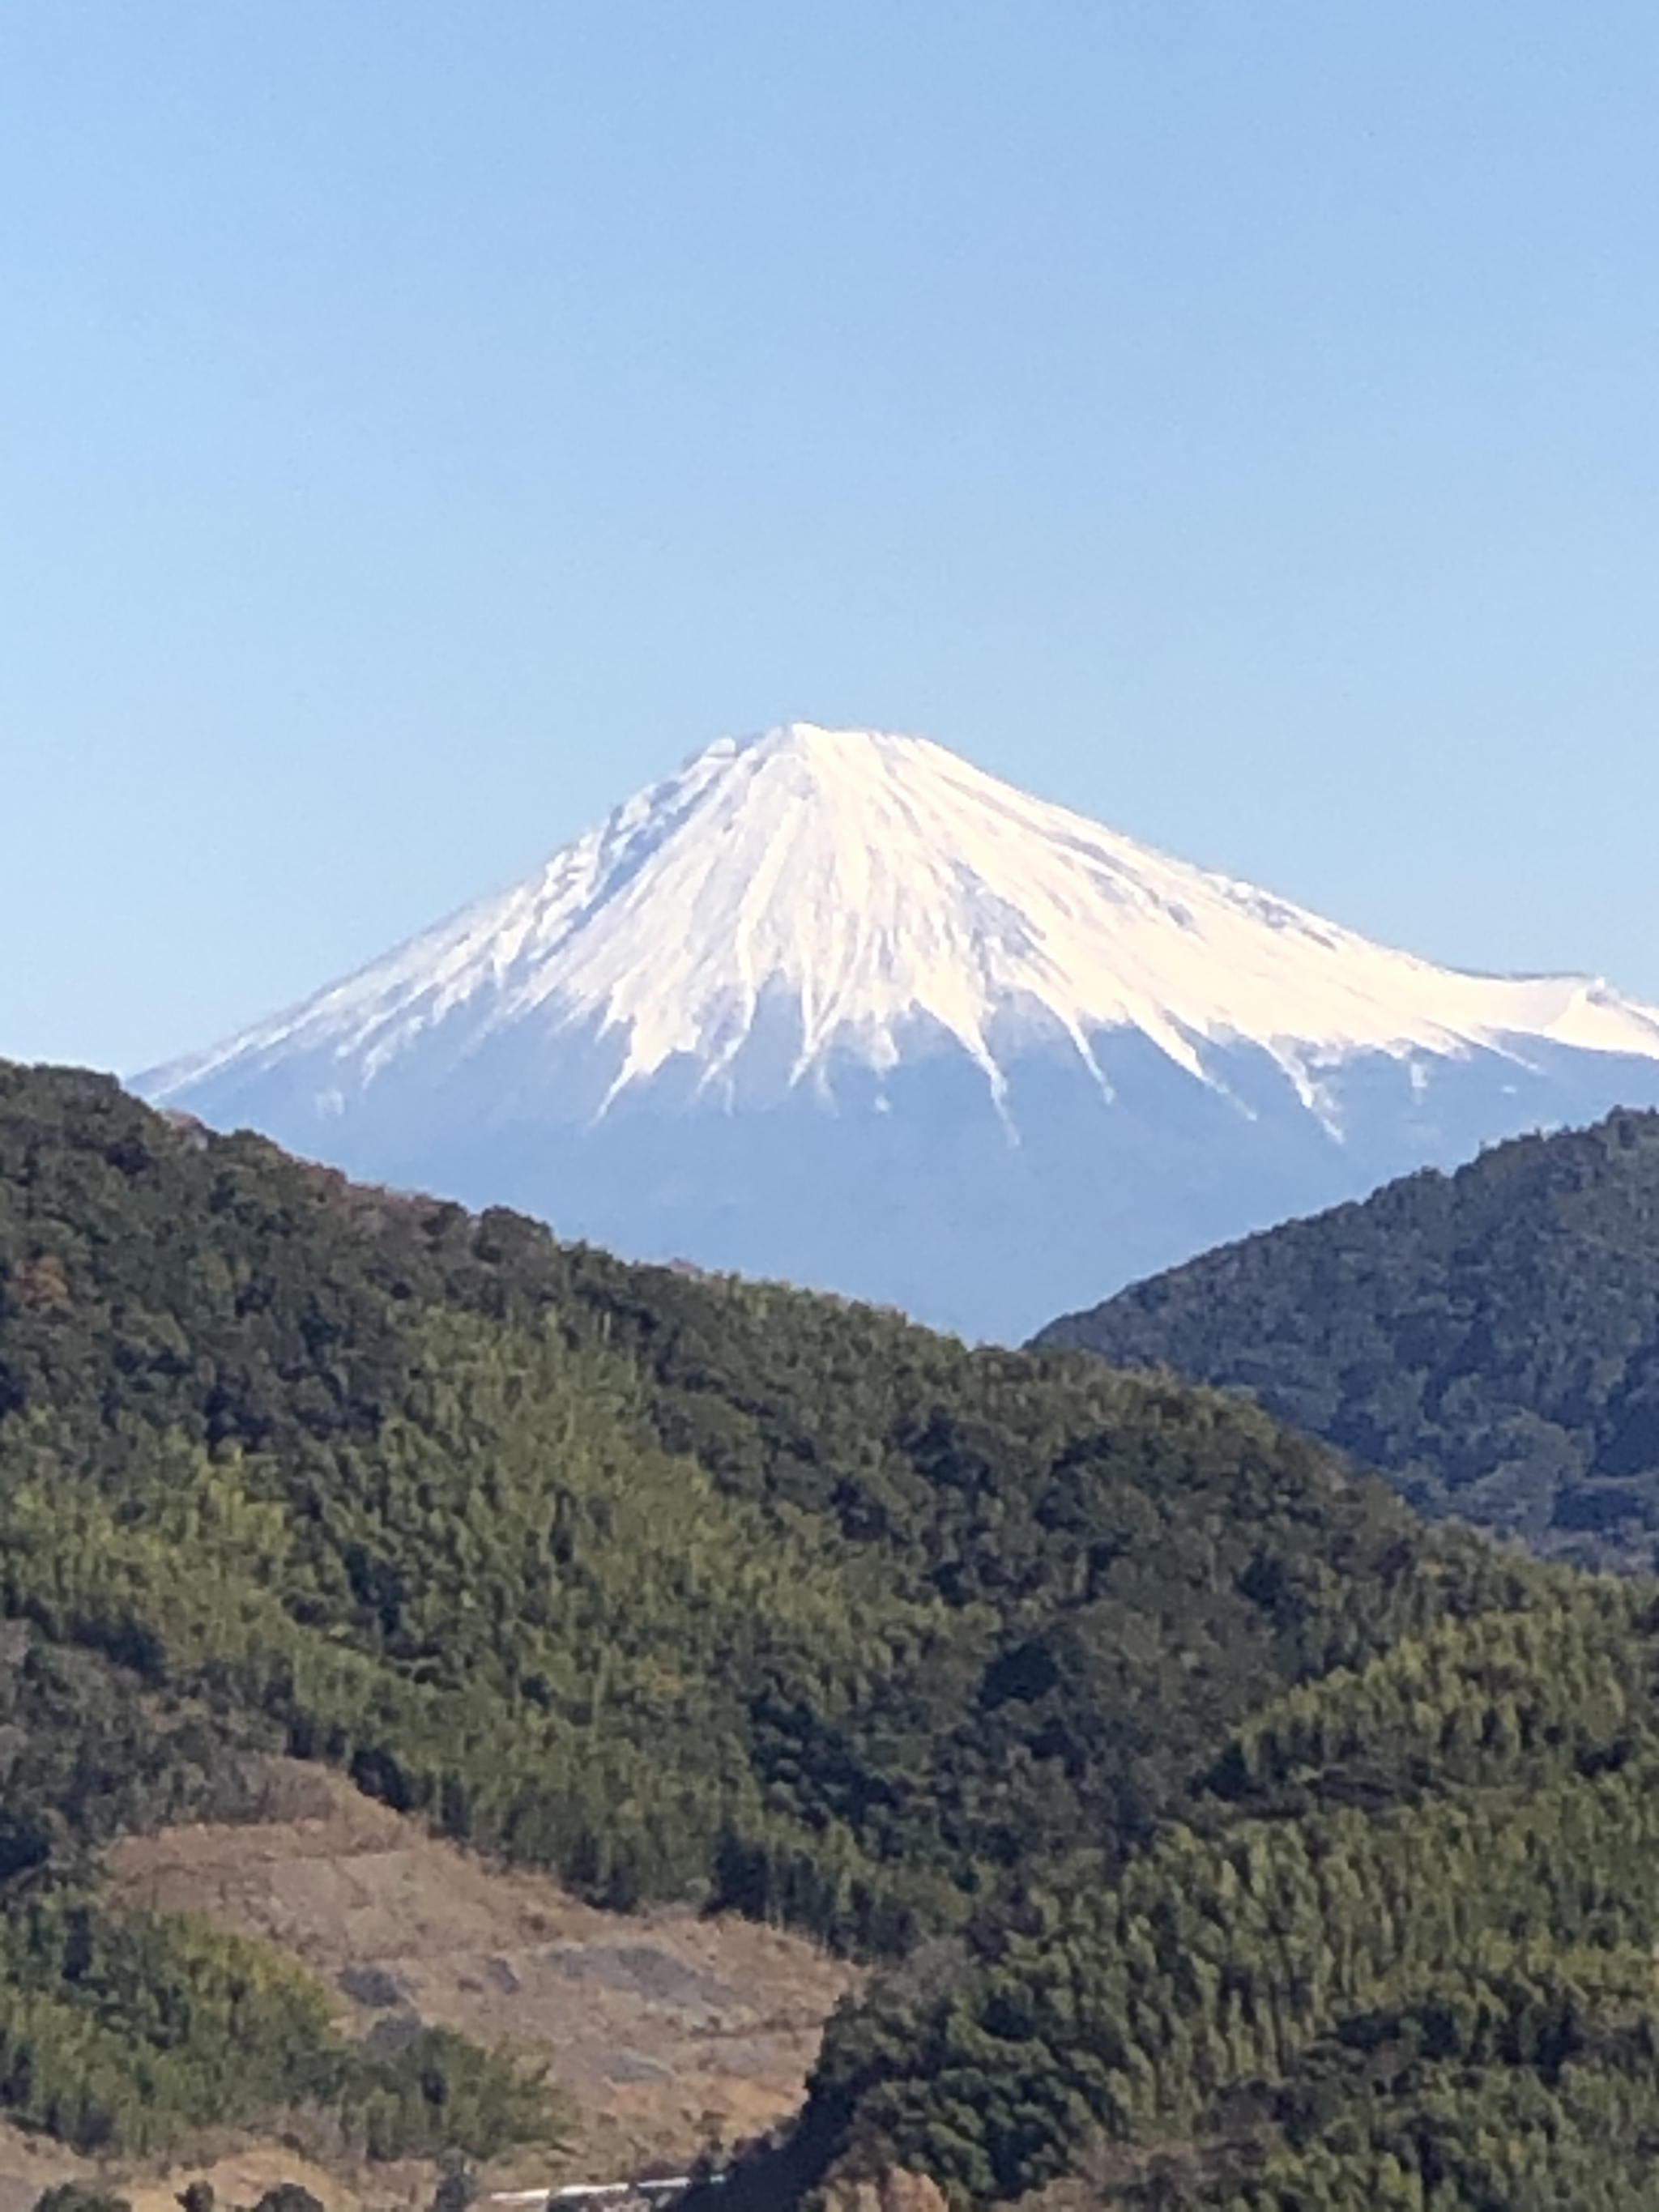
x,y
420,424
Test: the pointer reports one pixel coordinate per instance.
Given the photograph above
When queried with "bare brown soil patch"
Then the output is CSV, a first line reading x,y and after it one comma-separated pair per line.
x,y
669,2031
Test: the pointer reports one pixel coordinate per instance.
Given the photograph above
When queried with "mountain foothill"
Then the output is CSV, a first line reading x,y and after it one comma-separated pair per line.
x,y
1489,1340
1219,1832
1213,1826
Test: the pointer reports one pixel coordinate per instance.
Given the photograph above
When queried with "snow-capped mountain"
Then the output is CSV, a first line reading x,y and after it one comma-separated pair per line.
x,y
835,1005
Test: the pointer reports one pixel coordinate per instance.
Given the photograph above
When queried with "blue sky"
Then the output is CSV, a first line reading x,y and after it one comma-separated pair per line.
x,y
420,425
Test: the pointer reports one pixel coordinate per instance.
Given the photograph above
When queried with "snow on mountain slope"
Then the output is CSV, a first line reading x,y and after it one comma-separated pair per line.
x,y
835,1005
878,881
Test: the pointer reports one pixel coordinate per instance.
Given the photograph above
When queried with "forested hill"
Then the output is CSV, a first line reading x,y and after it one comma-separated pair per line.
x,y
687,1589
1209,1808
1489,1340
684,1588
1398,1956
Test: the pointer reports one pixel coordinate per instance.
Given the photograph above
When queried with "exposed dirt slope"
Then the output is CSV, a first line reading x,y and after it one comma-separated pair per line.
x,y
668,2030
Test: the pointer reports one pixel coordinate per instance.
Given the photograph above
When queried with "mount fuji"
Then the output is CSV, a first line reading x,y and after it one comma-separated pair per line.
x,y
835,1005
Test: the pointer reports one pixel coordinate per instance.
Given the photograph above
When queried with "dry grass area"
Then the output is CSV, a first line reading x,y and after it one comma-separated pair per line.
x,y
667,2030
240,2176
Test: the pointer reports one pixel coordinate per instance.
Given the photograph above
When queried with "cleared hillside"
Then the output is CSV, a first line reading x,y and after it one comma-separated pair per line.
x,y
670,2033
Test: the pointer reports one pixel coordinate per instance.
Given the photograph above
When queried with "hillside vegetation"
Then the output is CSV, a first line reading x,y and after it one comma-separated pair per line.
x,y
1233,1839
1489,1340
1400,1952
685,1589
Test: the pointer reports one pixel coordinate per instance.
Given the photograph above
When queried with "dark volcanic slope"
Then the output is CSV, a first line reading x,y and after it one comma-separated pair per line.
x,y
1490,1339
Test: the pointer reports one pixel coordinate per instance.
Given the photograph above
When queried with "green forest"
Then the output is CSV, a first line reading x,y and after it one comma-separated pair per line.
x,y
1489,1340
1225,1833
1399,1952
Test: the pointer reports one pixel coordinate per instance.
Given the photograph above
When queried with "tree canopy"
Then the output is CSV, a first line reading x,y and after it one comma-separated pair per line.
x,y
1489,1340
686,1587
1231,1837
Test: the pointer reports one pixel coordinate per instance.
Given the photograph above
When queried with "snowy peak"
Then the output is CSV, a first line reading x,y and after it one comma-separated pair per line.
x,y
1053,1059
887,897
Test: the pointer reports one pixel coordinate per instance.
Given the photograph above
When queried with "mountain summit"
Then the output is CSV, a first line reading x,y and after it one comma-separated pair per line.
x,y
835,1005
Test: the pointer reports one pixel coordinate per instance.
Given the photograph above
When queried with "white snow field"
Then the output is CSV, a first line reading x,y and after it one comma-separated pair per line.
x,y
835,1005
